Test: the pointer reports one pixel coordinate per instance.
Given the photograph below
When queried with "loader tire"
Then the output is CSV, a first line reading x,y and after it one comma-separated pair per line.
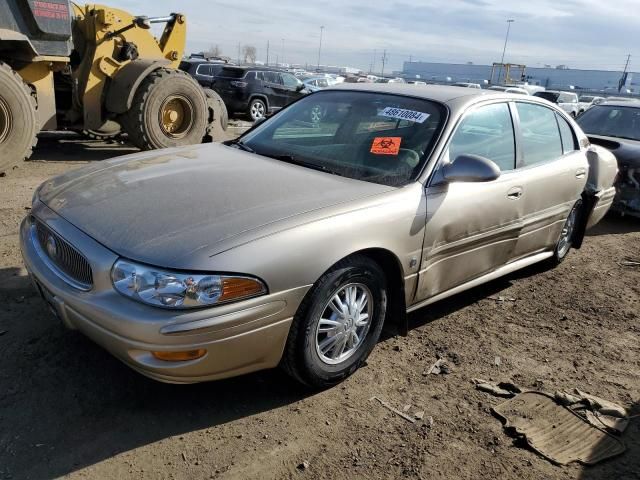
x,y
18,119
169,109
218,120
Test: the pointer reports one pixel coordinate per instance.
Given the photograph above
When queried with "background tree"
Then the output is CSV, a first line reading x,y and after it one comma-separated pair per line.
x,y
213,51
250,53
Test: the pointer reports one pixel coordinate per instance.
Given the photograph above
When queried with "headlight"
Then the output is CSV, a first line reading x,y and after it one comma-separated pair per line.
x,y
163,288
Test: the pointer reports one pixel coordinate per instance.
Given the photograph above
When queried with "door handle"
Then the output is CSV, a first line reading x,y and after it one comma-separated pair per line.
x,y
515,193
581,173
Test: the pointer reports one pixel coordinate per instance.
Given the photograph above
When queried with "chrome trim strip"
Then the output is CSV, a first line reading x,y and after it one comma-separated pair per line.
x,y
33,237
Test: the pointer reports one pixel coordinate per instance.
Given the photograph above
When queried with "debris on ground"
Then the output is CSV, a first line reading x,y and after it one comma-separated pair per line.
x,y
556,432
597,411
394,410
502,389
501,299
440,367
304,465
629,262
2,332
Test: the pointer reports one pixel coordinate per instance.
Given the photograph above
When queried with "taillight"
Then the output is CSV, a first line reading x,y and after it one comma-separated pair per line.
x,y
239,84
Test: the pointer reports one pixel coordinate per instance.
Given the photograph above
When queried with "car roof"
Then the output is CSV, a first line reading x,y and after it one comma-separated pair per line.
x,y
257,68
439,93
632,102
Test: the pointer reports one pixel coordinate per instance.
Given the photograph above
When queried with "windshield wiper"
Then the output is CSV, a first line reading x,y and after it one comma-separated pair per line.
x,y
295,161
242,146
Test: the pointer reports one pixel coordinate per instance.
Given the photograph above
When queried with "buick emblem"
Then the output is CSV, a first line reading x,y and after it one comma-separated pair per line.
x,y
52,248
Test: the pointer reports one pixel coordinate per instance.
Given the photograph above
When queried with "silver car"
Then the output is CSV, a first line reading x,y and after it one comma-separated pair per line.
x,y
296,243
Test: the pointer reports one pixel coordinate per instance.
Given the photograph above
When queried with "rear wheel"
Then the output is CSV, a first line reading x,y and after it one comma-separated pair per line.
x,y
218,118
338,323
108,131
18,119
567,234
169,109
257,109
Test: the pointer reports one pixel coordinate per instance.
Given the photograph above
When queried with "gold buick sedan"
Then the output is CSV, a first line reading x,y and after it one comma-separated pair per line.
x,y
294,244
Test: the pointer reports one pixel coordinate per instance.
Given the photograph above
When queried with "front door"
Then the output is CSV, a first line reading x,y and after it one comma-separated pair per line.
x,y
473,228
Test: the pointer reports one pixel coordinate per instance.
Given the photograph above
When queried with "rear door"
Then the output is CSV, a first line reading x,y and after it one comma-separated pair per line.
x,y
473,228
553,172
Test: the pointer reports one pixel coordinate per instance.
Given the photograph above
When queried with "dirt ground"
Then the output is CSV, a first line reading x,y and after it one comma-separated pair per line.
x,y
67,408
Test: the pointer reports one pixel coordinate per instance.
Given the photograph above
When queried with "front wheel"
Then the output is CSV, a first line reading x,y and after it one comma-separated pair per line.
x,y
338,323
169,109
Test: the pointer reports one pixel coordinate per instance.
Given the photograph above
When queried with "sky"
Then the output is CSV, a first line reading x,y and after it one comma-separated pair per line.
x,y
591,34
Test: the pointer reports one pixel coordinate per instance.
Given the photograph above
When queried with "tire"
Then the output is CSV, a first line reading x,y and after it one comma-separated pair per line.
x,y
218,119
169,109
257,109
567,235
313,357
109,131
18,119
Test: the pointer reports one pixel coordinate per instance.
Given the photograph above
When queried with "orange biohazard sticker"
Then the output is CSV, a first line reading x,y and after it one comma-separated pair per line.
x,y
386,145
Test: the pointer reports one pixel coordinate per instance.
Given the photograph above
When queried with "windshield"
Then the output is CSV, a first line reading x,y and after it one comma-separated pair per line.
x,y
551,96
366,136
611,121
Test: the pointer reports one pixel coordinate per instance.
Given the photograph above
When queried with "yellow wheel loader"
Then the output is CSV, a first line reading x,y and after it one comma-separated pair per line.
x,y
97,70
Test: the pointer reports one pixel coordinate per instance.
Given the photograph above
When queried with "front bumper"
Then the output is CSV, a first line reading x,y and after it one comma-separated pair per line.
x,y
239,338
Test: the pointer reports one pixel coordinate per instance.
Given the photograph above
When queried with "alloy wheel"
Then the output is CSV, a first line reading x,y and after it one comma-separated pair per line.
x,y
344,323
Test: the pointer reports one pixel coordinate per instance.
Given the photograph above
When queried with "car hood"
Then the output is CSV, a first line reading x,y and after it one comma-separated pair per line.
x,y
161,207
627,151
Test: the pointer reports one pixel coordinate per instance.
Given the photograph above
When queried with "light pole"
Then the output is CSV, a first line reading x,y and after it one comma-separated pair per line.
x,y
504,50
283,51
320,48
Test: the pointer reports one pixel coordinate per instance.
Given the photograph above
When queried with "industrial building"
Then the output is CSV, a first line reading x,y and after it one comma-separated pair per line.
x,y
559,77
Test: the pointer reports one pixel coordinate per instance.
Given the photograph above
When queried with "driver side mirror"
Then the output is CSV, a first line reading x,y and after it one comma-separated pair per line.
x,y
470,168
300,87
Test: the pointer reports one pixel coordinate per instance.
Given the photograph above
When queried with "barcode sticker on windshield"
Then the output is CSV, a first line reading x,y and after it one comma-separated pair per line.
x,y
401,114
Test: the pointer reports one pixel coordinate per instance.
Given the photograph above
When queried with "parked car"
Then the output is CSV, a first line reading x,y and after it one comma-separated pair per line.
x,y
203,70
314,84
295,243
615,125
587,101
516,90
256,91
568,101
467,85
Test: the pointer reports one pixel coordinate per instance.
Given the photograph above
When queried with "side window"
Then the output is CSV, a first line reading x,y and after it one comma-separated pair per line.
x,y
488,132
322,83
203,69
289,80
260,76
566,135
540,134
271,77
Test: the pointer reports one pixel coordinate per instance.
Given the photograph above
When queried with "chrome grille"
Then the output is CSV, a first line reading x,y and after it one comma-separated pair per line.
x,y
63,256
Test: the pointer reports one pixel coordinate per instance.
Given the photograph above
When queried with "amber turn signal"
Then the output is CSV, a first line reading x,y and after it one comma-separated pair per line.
x,y
239,287
180,356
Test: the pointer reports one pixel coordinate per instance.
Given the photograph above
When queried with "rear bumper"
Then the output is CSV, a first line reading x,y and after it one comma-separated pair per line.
x,y
238,338
603,202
